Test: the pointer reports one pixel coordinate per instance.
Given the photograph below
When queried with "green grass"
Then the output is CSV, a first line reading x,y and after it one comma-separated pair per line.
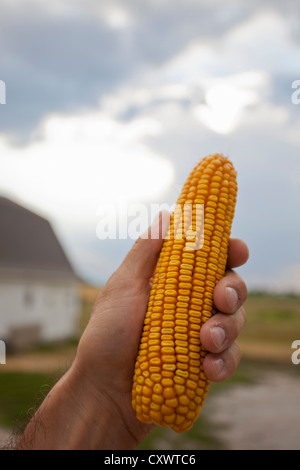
x,y
20,393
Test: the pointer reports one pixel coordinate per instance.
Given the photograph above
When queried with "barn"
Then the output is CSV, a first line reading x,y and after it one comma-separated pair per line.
x,y
39,290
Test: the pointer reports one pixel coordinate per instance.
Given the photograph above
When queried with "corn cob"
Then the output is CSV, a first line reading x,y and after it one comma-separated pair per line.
x,y
169,385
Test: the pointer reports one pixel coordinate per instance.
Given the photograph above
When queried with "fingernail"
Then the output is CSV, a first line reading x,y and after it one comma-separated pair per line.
x,y
218,365
232,298
218,336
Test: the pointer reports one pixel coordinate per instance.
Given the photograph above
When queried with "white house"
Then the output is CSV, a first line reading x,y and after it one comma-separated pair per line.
x,y
39,290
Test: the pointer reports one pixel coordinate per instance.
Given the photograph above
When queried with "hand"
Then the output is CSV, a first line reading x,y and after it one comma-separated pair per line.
x,y
90,406
109,345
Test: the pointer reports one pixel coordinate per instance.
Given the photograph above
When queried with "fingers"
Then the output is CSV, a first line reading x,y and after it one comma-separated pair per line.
x,y
219,367
238,253
218,336
230,293
220,332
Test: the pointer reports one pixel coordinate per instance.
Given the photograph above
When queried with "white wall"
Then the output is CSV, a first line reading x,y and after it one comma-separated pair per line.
x,y
54,306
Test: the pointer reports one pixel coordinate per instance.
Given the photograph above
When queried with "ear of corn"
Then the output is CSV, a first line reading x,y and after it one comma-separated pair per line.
x,y
169,385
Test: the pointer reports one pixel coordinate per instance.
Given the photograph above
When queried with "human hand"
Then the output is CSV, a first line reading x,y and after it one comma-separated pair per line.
x,y
108,348
90,406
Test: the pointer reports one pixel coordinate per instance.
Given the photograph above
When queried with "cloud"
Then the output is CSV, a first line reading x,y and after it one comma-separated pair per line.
x,y
111,94
56,63
65,56
82,161
226,98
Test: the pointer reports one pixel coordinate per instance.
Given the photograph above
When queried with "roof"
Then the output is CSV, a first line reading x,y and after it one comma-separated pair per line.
x,y
28,242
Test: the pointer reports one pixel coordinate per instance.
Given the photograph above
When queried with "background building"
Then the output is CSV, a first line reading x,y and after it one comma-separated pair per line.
x,y
39,297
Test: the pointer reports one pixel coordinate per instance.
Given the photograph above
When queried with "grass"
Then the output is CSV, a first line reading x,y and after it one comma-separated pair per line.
x,y
20,393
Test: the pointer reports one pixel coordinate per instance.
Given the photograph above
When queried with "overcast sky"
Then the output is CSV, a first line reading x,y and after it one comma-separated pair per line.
x,y
111,100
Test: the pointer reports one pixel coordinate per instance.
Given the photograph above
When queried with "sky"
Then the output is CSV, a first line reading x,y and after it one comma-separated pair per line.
x,y
109,105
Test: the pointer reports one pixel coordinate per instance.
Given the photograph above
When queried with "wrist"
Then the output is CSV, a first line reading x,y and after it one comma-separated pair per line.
x,y
108,415
76,416
101,421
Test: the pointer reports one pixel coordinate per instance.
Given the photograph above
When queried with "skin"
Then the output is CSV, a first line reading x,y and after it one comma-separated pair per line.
x,y
90,407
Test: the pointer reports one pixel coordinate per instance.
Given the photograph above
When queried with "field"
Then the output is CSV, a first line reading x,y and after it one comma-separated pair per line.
x,y
266,380
273,323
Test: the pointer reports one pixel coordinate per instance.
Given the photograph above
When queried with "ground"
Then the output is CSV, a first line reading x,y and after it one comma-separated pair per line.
x,y
256,409
261,416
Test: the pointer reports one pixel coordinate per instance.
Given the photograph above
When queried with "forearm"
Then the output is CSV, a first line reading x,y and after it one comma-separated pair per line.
x,y
73,417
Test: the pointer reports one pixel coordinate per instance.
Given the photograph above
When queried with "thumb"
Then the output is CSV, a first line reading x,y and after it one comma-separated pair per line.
x,y
141,260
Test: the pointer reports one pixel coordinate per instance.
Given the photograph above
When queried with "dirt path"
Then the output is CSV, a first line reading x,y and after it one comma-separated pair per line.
x,y
47,362
263,416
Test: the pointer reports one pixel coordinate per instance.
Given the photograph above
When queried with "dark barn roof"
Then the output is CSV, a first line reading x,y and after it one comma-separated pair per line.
x,y
28,242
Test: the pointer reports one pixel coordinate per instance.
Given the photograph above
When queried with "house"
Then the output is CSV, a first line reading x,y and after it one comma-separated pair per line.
x,y
39,290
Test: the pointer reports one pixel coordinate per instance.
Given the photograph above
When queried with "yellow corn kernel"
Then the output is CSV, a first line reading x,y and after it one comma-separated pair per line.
x,y
169,384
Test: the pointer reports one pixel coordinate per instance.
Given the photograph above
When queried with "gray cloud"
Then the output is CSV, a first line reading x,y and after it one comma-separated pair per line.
x,y
57,65
62,63
54,63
